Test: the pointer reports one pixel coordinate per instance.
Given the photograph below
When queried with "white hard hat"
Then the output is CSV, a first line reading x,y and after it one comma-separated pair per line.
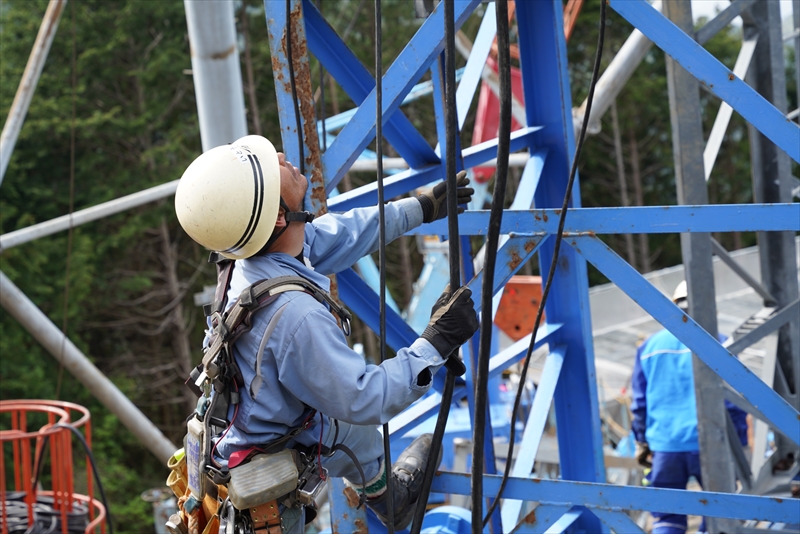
x,y
228,198
681,292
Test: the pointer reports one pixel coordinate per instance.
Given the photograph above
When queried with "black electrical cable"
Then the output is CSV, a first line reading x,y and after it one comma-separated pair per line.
x,y
556,249
46,517
300,150
89,455
493,238
455,367
387,451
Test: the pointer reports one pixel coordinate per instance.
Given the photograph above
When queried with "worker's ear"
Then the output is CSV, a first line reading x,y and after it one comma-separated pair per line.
x,y
281,221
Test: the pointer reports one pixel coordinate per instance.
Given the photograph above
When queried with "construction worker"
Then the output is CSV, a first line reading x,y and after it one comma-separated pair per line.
x,y
245,201
665,416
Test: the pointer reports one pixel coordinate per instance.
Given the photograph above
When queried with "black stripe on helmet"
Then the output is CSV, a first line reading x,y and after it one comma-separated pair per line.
x,y
258,204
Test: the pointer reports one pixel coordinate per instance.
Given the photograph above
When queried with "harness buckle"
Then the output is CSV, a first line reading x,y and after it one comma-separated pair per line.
x,y
248,299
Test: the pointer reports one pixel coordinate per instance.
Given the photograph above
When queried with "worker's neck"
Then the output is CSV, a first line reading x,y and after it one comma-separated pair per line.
x,y
291,241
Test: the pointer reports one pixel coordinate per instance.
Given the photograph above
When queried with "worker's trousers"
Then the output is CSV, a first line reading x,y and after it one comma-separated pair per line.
x,y
366,442
672,470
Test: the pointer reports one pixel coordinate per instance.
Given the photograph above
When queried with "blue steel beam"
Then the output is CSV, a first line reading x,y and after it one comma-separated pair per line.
x,y
690,334
409,66
345,517
276,28
367,195
510,259
514,353
475,64
715,76
548,101
423,409
544,517
364,302
609,496
357,82
532,437
617,520
638,220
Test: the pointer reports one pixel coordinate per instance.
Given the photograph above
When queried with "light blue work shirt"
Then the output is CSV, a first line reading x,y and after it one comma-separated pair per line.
x,y
307,362
663,405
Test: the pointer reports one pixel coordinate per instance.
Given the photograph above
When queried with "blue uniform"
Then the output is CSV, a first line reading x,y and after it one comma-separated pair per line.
x,y
665,417
306,362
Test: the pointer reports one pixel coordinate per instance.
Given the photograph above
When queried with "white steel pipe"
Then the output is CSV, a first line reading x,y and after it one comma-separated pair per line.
x,y
514,160
614,79
27,85
35,231
63,350
216,71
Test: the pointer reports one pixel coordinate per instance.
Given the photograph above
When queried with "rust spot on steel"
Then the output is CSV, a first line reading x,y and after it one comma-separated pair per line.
x,y
530,519
277,68
530,245
537,480
225,53
778,500
703,501
685,318
731,77
557,211
361,527
515,260
544,216
537,216
351,496
305,98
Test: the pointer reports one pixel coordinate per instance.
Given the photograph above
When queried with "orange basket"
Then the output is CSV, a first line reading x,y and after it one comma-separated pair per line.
x,y
27,449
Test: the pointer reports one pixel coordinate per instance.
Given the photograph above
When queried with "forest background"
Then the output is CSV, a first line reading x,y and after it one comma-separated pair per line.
x,y
114,113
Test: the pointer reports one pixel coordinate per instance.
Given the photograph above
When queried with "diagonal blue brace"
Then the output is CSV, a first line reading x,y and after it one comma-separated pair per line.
x,y
357,82
690,333
367,195
617,520
548,518
532,437
715,76
409,66
364,302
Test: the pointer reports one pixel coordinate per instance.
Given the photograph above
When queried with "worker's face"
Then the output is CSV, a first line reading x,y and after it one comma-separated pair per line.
x,y
293,184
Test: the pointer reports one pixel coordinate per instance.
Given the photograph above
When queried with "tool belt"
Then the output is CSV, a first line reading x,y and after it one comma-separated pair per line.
x,y
265,494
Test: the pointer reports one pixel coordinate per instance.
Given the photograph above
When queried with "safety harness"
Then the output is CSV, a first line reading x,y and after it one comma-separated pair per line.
x,y
219,370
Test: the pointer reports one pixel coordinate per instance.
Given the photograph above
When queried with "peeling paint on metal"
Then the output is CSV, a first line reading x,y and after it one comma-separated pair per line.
x,y
515,258
530,519
351,496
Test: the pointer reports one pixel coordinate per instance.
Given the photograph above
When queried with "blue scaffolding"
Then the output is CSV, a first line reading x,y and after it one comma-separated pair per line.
x,y
580,500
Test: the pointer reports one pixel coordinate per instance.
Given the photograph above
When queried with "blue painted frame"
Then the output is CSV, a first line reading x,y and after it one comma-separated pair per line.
x,y
582,501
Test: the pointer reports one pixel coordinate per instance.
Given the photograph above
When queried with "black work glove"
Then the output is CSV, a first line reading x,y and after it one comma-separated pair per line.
x,y
453,321
434,200
644,454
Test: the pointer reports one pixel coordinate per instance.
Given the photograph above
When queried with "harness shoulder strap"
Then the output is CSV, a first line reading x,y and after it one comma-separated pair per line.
x,y
235,321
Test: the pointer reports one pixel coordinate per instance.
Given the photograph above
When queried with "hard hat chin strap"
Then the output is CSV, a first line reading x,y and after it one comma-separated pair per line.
x,y
289,216
295,216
